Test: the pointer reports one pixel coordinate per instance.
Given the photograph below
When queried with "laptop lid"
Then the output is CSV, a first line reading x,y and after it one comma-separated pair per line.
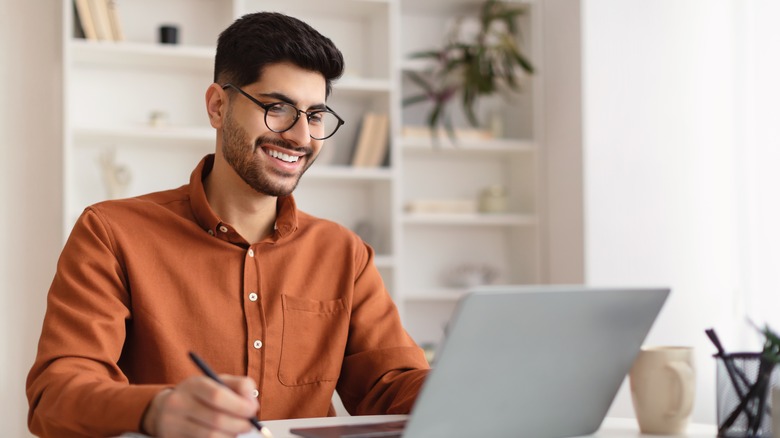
x,y
533,361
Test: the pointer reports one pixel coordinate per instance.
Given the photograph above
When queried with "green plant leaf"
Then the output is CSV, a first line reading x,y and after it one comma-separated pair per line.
x,y
771,345
415,99
483,66
435,54
421,82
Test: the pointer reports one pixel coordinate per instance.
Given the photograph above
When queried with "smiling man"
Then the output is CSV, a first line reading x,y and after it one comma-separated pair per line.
x,y
287,307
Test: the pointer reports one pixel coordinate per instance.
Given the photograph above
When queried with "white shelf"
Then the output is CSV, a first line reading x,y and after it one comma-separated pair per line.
x,y
467,146
379,174
129,54
446,295
144,132
344,8
356,84
384,261
471,219
106,109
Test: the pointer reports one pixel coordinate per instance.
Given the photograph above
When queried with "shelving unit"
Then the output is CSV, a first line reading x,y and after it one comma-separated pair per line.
x,y
113,88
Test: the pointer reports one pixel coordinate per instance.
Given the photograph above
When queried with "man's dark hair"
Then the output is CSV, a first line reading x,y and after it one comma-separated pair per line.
x,y
259,39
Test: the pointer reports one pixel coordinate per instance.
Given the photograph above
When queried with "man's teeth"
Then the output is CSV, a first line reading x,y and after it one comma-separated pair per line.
x,y
282,156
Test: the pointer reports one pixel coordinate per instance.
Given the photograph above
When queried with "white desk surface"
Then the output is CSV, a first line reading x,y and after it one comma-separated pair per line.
x,y
611,428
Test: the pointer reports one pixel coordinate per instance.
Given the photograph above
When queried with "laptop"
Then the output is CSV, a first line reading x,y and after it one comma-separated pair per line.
x,y
526,361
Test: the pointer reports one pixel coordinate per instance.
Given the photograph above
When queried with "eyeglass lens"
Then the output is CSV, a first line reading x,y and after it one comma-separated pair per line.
x,y
282,116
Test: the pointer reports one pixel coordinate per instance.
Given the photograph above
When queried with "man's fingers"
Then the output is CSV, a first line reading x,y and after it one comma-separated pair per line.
x,y
200,406
226,399
244,386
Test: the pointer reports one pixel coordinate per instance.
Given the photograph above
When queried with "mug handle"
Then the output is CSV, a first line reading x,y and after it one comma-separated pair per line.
x,y
683,373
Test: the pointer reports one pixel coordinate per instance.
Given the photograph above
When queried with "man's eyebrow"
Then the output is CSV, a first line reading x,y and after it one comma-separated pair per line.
x,y
285,98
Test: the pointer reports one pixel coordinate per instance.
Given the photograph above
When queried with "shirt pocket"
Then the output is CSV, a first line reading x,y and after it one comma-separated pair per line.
x,y
314,339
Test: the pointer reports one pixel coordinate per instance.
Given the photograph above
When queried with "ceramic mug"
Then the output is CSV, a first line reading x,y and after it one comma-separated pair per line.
x,y
663,383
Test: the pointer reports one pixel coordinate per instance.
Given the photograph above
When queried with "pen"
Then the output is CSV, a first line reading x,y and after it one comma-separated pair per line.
x,y
208,372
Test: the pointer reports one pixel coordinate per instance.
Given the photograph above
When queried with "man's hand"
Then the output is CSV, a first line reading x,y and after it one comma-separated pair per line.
x,y
200,406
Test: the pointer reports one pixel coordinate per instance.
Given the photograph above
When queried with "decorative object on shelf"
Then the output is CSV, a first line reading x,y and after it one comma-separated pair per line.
x,y
372,141
97,20
158,119
116,24
101,19
84,23
441,206
116,177
473,67
493,199
169,34
744,385
470,275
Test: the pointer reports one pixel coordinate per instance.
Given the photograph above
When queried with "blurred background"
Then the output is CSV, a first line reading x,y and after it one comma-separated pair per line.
x,y
661,148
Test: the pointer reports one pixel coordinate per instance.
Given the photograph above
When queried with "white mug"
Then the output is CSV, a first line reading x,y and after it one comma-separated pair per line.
x,y
663,383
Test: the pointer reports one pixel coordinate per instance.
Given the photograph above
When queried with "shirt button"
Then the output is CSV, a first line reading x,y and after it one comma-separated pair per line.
x,y
223,228
253,297
211,232
258,344
255,393
251,253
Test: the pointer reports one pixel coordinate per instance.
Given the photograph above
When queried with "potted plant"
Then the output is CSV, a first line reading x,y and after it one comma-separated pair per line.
x,y
481,65
745,381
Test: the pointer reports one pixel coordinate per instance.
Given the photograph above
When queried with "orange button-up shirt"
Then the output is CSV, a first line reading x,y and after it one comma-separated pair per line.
x,y
143,281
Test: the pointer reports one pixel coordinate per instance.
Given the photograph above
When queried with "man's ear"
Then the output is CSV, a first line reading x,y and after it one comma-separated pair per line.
x,y
216,105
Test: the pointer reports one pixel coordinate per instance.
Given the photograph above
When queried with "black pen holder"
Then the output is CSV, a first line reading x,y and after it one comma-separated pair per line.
x,y
744,395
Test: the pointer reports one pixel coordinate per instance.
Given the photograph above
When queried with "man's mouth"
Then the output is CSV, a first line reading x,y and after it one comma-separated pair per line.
x,y
281,155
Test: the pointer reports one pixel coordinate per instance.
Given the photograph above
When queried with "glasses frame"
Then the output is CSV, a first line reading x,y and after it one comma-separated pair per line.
x,y
309,114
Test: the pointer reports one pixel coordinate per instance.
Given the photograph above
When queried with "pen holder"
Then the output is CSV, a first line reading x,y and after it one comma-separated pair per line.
x,y
744,395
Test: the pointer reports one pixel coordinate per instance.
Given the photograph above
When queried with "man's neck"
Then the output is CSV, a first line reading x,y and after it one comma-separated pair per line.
x,y
252,214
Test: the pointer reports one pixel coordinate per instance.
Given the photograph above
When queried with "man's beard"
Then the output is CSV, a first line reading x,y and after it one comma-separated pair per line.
x,y
240,155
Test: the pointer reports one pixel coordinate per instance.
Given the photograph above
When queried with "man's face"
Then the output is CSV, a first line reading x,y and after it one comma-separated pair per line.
x,y
272,163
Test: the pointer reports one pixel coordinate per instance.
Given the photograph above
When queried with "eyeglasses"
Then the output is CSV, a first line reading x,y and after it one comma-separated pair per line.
x,y
282,116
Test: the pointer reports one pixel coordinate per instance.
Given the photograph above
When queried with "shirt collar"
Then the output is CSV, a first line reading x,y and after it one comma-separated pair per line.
x,y
286,210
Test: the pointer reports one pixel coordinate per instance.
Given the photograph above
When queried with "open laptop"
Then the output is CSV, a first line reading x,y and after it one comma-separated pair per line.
x,y
527,361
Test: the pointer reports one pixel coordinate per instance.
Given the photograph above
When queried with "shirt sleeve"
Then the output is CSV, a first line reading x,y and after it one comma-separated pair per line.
x,y
75,387
383,369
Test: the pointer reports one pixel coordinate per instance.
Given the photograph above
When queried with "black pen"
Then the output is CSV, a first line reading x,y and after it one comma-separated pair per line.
x,y
208,372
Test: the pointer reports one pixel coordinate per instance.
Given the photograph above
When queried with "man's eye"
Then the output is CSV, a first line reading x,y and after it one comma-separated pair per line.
x,y
315,118
277,109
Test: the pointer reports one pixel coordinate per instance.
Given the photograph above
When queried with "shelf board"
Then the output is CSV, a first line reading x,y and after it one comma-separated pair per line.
x,y
384,261
145,132
468,146
439,7
349,173
157,56
476,219
345,8
123,54
358,84
441,295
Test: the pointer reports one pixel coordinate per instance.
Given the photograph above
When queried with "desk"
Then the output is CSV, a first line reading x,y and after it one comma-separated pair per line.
x,y
611,428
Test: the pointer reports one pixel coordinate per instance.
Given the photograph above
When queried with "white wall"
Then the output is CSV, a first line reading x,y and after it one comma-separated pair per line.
x,y
30,240
660,128
761,178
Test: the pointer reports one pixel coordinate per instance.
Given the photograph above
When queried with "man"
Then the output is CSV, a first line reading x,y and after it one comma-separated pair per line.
x,y
286,306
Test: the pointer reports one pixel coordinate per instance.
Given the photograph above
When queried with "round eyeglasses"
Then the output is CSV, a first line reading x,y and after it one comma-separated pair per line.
x,y
282,116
